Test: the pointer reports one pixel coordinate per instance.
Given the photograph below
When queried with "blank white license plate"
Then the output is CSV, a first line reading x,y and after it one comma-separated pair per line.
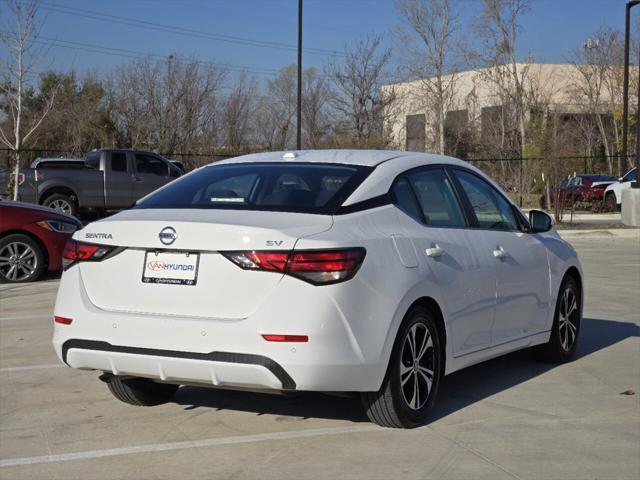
x,y
176,268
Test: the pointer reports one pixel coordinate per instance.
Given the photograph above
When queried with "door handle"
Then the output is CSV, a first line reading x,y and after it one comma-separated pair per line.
x,y
500,252
434,251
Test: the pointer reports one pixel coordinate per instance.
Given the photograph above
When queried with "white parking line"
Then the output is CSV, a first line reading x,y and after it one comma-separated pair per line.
x,y
209,442
30,317
31,367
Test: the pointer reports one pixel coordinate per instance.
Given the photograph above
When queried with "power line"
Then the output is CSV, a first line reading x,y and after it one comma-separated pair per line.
x,y
133,54
179,30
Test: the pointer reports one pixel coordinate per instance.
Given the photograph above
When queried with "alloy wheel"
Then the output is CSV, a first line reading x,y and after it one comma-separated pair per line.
x,y
61,205
568,319
18,261
417,366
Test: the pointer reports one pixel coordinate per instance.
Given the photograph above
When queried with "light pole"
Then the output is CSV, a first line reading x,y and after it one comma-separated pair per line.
x,y
625,92
299,116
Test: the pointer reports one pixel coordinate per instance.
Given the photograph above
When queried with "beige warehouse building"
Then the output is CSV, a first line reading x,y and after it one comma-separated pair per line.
x,y
475,102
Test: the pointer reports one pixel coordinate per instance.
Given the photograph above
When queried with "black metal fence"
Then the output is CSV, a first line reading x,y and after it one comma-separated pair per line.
x,y
525,179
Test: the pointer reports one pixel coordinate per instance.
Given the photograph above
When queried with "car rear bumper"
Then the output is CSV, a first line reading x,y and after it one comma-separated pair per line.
x,y
219,352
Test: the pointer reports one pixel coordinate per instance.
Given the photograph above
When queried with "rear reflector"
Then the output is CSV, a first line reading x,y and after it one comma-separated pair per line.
x,y
285,338
319,267
62,320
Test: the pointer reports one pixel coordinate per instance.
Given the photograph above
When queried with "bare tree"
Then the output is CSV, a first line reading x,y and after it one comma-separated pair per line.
x,y
23,55
169,105
498,28
276,110
429,50
358,98
316,95
237,113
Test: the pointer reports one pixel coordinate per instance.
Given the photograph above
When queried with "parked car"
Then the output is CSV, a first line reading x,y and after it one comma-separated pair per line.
x,y
582,187
613,192
359,271
32,239
110,179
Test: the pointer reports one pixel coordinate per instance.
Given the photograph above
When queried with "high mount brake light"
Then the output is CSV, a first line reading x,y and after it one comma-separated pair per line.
x,y
75,252
319,267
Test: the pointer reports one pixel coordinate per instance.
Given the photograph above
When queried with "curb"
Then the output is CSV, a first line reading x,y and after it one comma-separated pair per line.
x,y
610,233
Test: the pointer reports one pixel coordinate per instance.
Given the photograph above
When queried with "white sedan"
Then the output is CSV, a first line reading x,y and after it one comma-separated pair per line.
x,y
358,271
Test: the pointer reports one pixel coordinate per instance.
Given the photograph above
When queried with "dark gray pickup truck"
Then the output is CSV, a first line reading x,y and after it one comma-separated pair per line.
x,y
109,179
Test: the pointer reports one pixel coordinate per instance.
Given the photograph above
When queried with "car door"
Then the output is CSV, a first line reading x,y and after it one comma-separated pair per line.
x,y
119,180
151,172
432,217
523,285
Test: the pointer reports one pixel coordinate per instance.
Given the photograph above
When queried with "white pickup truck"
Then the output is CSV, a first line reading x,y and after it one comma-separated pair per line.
x,y
613,193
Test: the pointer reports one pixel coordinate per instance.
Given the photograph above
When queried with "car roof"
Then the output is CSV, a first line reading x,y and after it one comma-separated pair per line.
x,y
369,158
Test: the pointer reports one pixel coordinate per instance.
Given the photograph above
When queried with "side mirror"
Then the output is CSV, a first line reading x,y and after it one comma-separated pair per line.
x,y
540,221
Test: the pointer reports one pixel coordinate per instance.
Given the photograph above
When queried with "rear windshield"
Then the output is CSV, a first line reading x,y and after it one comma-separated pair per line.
x,y
283,187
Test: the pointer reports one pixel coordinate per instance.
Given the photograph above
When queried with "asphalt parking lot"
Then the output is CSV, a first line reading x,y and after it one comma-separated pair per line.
x,y
508,418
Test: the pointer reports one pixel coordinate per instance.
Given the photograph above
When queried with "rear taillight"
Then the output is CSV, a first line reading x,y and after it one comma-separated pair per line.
x,y
319,267
75,252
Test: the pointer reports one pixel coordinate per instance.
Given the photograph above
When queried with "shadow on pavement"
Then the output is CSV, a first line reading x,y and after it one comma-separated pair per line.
x,y
457,391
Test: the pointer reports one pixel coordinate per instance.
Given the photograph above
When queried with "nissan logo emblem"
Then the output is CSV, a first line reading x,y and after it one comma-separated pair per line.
x,y
168,235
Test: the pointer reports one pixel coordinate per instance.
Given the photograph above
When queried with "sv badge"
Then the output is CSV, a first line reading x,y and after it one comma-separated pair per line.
x,y
274,243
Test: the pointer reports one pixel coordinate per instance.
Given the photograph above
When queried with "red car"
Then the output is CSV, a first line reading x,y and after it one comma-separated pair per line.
x,y
32,239
585,187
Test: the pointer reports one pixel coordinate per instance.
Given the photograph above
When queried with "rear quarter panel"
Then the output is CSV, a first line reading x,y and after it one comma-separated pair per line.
x,y
88,185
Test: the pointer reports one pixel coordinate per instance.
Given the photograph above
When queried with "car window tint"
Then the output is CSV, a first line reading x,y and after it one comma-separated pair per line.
x,y
436,198
235,189
290,187
92,161
491,208
405,199
151,164
118,162
631,176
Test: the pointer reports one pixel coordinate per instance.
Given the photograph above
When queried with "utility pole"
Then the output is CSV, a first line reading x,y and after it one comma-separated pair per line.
x,y
625,93
299,116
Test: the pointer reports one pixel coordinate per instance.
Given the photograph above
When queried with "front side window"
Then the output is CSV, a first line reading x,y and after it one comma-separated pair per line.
x,y
490,207
436,197
288,187
150,164
631,176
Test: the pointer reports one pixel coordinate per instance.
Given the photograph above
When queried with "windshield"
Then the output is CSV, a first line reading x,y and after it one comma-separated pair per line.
x,y
285,187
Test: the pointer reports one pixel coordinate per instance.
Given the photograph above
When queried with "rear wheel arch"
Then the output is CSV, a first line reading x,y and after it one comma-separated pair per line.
x,y
434,308
62,190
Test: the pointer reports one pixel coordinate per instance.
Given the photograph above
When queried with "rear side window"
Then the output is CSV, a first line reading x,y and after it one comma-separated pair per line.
x,y
118,162
92,161
406,200
437,199
490,207
288,187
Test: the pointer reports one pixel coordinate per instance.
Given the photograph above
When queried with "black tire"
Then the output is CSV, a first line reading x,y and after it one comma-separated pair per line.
x,y
62,203
562,344
389,406
22,259
141,392
610,203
